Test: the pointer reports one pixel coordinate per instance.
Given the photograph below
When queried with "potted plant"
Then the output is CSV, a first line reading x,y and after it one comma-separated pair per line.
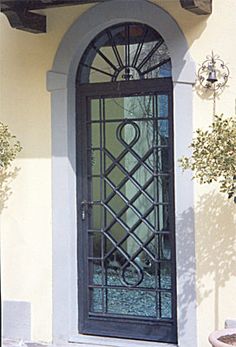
x,y
223,338
213,156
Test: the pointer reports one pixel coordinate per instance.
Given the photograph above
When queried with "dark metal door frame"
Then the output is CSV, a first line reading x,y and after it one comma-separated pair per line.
x,y
158,330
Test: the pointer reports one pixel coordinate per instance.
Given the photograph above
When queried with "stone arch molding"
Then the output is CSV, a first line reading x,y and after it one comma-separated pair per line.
x,y
61,84
113,12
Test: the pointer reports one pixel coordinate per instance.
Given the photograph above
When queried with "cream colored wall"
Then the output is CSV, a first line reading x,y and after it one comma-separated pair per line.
x,y
215,217
26,223
26,231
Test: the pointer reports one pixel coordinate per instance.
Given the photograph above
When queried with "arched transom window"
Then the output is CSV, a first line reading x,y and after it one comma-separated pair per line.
x,y
128,51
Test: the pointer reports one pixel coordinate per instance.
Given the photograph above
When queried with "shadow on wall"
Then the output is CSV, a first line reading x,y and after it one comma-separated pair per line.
x,y
215,246
209,94
215,251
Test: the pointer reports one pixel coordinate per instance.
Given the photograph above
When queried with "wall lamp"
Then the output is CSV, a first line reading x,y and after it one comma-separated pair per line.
x,y
213,73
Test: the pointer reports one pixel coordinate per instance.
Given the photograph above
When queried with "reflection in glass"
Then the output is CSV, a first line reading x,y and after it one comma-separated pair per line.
x,y
96,300
166,299
162,101
140,303
124,52
130,251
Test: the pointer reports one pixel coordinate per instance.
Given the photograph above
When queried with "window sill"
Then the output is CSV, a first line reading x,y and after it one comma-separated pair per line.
x,y
115,342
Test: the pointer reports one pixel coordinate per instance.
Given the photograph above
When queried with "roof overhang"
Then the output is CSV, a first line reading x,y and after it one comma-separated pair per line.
x,y
200,7
20,15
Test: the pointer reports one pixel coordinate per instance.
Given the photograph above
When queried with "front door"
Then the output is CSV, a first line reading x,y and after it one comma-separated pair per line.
x,y
126,253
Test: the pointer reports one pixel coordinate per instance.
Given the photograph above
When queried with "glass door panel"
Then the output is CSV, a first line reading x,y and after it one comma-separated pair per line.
x,y
130,236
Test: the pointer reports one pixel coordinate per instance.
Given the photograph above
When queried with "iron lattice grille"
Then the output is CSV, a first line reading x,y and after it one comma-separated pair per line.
x,y
130,231
127,51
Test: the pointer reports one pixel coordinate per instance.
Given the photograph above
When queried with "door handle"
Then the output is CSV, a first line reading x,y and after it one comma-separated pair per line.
x,y
84,207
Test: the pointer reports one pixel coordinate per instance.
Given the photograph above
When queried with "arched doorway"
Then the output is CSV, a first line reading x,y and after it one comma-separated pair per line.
x,y
125,186
61,82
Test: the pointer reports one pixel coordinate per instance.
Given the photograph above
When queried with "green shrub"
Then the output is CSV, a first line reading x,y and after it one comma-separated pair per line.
x,y
214,155
9,147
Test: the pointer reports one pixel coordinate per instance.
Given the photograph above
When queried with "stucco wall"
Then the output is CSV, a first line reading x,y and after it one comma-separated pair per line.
x,y
26,231
215,217
26,222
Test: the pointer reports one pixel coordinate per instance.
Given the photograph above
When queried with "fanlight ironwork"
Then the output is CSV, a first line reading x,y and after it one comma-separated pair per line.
x,y
128,51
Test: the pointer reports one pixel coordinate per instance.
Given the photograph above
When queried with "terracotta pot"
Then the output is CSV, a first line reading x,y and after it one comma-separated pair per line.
x,y
213,338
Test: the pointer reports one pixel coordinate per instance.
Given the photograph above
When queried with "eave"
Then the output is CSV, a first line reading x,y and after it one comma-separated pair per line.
x,y
199,7
20,15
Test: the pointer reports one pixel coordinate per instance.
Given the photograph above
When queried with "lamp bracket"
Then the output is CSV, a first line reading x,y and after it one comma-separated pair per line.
x,y
213,65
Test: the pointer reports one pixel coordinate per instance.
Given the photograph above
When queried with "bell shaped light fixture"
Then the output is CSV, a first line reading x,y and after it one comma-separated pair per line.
x,y
213,73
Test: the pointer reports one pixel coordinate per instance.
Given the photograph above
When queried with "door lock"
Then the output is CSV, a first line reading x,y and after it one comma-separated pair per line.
x,y
84,208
